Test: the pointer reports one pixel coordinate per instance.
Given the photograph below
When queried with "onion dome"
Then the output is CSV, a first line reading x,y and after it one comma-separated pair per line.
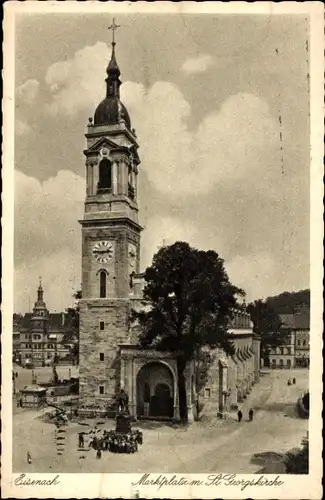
x,y
111,110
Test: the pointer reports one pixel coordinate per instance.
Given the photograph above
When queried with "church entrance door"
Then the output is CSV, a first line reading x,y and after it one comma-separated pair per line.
x,y
155,391
162,402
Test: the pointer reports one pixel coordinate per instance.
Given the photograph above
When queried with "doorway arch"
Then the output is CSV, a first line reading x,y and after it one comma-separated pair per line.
x,y
155,391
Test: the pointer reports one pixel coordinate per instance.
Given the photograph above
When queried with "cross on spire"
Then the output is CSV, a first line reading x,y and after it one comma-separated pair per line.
x,y
40,280
114,27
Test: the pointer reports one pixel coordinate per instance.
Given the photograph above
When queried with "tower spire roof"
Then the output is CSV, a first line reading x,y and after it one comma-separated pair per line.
x,y
112,68
111,110
40,290
40,306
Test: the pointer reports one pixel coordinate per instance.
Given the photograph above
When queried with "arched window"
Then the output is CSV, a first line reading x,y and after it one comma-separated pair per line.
x,y
105,175
102,284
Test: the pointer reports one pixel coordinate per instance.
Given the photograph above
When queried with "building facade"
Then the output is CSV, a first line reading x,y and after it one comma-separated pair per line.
x,y
294,352
40,336
110,356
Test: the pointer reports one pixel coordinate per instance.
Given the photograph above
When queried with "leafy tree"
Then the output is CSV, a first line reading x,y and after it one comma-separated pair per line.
x,y
298,462
267,324
191,303
72,327
286,302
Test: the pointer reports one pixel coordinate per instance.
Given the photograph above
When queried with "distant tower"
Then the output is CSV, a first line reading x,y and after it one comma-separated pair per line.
x,y
39,324
110,239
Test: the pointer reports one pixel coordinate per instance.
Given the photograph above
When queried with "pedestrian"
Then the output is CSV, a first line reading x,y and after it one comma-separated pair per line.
x,y
289,381
251,414
99,453
240,416
294,381
81,440
95,443
29,458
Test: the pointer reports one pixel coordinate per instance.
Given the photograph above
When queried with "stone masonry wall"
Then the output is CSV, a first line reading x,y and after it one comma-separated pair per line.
x,y
114,313
210,399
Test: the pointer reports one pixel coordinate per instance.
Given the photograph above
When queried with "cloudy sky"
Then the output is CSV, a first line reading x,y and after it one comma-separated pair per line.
x,y
210,97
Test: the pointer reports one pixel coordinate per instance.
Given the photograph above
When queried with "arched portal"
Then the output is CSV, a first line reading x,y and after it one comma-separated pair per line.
x,y
155,391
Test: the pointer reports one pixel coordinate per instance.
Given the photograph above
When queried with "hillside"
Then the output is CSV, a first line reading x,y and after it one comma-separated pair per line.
x,y
286,302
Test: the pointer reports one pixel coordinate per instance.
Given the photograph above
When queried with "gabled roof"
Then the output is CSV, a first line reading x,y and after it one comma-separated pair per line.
x,y
287,320
104,141
296,321
302,320
55,323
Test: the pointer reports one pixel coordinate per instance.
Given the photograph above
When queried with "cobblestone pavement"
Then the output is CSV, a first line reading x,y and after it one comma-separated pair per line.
x,y
203,447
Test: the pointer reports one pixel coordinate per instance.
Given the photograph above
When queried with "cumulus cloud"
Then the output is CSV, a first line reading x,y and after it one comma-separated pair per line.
x,y
234,142
26,95
198,64
78,83
28,91
48,236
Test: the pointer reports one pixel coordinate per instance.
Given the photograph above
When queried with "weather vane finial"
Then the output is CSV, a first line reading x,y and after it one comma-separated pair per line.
x,y
114,27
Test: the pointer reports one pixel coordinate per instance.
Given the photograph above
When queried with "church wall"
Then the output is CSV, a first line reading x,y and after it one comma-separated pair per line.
x,y
240,376
209,395
93,341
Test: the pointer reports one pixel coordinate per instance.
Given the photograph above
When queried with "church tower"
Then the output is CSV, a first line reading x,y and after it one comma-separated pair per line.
x,y
110,240
39,326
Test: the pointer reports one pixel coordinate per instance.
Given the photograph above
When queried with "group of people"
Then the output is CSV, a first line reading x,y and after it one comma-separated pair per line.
x,y
293,382
113,442
250,415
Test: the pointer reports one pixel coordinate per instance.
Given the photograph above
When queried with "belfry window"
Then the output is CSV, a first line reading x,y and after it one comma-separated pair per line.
x,y
102,284
105,176
130,184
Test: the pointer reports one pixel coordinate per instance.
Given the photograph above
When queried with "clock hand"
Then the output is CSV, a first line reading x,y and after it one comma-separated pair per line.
x,y
103,250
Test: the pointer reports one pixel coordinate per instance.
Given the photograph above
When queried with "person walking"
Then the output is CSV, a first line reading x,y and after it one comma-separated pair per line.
x,y
240,415
81,440
289,381
29,458
294,381
251,415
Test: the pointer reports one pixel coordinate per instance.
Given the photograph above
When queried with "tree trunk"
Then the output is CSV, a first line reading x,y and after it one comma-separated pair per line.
x,y
182,391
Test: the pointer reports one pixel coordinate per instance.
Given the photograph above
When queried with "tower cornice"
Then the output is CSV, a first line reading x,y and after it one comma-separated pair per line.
x,y
118,221
102,130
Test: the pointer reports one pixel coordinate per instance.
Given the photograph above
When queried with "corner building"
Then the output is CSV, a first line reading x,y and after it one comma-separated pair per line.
x,y
110,357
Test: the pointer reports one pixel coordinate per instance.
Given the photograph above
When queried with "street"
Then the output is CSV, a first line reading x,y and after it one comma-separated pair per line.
x,y
203,447
43,374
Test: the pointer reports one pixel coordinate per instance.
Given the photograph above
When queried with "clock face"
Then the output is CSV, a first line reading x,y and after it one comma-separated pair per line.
x,y
103,251
132,255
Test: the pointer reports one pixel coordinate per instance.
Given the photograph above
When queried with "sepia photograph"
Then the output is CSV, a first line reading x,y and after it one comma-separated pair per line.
x,y
163,311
